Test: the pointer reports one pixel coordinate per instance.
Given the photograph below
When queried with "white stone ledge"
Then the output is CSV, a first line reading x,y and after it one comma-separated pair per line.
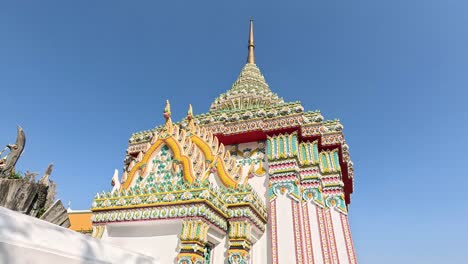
x,y
25,239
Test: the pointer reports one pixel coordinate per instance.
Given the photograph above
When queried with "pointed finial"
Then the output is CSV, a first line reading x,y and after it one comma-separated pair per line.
x,y
190,112
115,181
190,117
167,115
167,111
251,46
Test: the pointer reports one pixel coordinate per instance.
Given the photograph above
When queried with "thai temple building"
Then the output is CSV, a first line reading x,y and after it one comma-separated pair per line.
x,y
254,180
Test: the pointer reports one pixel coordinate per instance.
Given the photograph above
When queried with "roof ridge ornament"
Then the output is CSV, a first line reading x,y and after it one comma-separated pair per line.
x,y
190,112
191,123
251,46
167,116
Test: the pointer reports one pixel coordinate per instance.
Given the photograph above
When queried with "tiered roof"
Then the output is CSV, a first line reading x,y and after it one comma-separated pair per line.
x,y
250,91
250,111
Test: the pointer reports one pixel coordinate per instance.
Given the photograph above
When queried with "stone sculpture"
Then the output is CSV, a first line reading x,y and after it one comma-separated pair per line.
x,y
7,164
23,194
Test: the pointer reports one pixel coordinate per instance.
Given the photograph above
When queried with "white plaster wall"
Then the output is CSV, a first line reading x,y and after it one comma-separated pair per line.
x,y
25,239
260,250
285,231
220,252
152,238
220,246
339,237
315,233
260,185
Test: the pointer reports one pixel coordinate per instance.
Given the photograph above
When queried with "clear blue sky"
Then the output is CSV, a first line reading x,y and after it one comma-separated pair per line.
x,y
81,76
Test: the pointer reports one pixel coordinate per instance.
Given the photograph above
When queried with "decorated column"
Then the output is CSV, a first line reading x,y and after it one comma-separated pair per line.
x,y
194,247
341,247
239,242
286,231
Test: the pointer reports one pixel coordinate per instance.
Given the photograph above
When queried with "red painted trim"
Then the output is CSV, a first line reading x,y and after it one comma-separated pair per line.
x,y
257,135
250,136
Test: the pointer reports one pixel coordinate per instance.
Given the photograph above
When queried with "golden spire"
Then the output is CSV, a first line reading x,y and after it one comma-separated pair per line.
x,y
251,56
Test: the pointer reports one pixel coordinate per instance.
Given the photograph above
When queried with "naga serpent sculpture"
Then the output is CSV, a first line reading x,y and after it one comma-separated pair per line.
x,y
7,164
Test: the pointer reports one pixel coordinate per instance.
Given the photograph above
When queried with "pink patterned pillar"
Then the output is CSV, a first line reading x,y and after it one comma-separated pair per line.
x,y
307,236
348,239
274,234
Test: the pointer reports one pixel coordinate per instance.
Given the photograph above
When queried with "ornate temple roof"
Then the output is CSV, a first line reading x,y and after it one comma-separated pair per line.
x,y
250,90
250,111
179,169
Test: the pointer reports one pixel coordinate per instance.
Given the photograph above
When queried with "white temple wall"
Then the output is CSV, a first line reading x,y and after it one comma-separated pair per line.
x,y
220,252
162,246
220,246
285,230
159,238
260,185
260,250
